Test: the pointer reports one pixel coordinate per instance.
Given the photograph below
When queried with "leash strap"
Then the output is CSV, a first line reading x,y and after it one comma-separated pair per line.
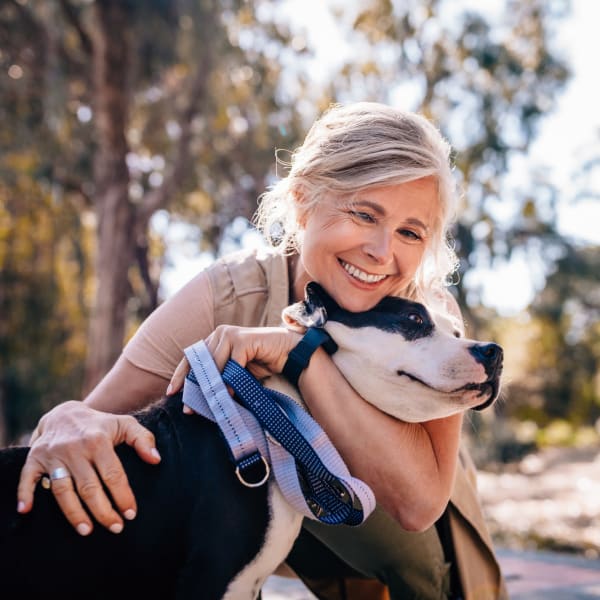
x,y
308,469
329,496
251,467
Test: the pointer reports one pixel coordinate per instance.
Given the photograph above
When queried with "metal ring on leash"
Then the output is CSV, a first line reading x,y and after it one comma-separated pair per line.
x,y
259,483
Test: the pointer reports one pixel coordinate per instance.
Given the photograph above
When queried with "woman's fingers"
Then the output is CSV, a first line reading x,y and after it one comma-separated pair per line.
x,y
220,345
131,432
81,441
68,501
83,486
178,378
31,473
111,473
113,476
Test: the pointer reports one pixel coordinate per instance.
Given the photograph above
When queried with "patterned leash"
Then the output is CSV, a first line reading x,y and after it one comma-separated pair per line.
x,y
268,430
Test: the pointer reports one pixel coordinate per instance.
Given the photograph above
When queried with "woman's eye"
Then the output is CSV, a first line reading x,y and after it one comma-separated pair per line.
x,y
409,233
363,216
416,318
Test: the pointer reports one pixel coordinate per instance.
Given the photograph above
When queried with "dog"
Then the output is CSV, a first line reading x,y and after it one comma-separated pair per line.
x,y
199,533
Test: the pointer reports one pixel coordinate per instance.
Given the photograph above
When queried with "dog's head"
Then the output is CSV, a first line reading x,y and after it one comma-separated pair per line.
x,y
407,361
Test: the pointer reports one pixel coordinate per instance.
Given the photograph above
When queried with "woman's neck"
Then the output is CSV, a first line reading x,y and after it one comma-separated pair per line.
x,y
298,278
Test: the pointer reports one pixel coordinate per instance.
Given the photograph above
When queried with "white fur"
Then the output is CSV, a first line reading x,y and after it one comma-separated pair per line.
x,y
371,359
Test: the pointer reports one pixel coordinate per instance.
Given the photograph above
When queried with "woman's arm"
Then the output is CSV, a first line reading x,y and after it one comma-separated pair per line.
x,y
410,466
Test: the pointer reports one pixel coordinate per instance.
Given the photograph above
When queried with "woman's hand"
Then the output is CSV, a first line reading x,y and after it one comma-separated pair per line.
x,y
262,350
81,439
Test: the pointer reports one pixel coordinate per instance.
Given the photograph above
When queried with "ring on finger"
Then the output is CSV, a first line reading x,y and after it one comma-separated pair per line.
x,y
59,473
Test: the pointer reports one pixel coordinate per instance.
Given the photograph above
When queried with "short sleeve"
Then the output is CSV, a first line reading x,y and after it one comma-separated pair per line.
x,y
183,319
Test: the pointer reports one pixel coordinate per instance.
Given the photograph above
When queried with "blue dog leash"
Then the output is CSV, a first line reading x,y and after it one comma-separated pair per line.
x,y
309,471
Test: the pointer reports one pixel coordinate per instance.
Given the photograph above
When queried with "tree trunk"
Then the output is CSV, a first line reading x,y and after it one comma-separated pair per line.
x,y
115,213
3,425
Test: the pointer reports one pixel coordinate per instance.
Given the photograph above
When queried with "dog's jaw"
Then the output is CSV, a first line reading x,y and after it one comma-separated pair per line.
x,y
415,381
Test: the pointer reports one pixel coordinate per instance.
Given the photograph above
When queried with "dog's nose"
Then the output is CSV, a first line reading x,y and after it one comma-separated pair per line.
x,y
490,356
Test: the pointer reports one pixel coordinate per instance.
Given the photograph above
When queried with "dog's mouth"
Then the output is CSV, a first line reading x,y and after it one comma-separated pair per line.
x,y
488,389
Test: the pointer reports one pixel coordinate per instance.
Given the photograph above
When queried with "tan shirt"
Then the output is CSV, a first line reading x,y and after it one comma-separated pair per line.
x,y
246,288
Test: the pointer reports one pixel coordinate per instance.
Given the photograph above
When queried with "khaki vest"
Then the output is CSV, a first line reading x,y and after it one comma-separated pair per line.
x,y
251,289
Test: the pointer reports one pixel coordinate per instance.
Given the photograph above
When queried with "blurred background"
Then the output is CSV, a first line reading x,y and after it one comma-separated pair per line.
x,y
136,137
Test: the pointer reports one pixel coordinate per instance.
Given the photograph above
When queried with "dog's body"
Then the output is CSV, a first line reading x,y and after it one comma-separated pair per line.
x,y
199,533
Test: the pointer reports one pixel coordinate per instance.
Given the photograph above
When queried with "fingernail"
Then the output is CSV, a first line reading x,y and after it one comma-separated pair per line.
x,y
83,529
155,453
129,514
187,410
20,506
169,390
116,528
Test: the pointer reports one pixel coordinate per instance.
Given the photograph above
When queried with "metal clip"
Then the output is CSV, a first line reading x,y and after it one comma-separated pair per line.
x,y
259,483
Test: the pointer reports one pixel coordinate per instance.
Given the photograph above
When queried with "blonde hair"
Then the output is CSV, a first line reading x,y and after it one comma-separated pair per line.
x,y
359,146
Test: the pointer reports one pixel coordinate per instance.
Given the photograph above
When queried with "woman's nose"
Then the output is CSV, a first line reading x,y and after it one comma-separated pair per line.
x,y
379,248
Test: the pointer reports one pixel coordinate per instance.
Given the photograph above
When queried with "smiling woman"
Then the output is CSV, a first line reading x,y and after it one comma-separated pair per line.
x,y
374,245
364,211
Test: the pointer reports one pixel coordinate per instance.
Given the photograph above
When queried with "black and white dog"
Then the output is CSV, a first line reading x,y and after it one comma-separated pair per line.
x,y
199,533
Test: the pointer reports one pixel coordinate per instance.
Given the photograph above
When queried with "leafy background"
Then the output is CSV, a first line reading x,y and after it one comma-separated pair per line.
x,y
137,135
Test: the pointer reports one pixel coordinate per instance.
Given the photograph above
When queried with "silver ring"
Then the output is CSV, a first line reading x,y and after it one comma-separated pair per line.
x,y
59,473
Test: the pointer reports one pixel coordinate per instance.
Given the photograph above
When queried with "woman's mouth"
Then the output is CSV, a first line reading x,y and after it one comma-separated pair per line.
x,y
362,276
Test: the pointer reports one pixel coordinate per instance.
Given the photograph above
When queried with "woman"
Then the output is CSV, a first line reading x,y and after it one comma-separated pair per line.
x,y
364,211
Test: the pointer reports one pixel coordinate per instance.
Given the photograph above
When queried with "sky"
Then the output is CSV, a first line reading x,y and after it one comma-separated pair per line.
x,y
566,139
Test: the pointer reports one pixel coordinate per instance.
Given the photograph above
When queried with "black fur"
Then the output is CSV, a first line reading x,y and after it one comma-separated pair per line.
x,y
196,527
394,315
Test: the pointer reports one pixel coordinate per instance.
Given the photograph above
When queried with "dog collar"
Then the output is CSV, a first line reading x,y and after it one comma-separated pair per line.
x,y
300,355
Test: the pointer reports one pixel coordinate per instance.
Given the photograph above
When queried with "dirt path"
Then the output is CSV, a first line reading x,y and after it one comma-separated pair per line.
x,y
549,500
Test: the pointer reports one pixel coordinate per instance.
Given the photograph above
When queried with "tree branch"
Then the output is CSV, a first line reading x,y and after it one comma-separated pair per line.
x,y
158,198
73,19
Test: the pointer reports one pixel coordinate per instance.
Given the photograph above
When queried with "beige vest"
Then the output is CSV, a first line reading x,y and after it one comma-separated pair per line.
x,y
251,290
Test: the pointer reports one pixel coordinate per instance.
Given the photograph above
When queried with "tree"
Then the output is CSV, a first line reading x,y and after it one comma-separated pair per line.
x,y
487,81
131,108
565,353
42,297
161,84
128,108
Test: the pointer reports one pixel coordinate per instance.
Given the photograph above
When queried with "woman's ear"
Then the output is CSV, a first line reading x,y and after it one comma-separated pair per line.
x,y
300,203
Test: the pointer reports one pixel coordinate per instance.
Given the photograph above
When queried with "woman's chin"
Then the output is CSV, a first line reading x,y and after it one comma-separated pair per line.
x,y
357,302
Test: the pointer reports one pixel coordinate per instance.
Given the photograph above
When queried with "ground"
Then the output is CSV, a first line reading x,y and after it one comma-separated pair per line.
x,y
544,514
548,500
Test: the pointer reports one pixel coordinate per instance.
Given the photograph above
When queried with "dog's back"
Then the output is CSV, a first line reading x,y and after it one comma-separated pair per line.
x,y
196,528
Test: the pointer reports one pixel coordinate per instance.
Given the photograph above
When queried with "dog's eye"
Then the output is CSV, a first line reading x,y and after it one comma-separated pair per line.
x,y
416,318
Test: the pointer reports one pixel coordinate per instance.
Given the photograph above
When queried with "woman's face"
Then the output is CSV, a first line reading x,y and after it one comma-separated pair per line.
x,y
370,248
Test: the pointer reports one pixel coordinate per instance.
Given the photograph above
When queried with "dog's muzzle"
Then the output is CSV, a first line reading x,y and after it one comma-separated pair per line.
x,y
491,357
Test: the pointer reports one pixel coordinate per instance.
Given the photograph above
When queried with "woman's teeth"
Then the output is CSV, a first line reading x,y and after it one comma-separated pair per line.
x,y
361,275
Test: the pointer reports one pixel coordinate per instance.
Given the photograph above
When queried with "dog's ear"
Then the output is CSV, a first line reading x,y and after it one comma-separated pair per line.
x,y
311,312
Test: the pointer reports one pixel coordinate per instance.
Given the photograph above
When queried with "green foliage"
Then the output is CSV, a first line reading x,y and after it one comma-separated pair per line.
x,y
566,350
42,309
201,119
212,89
